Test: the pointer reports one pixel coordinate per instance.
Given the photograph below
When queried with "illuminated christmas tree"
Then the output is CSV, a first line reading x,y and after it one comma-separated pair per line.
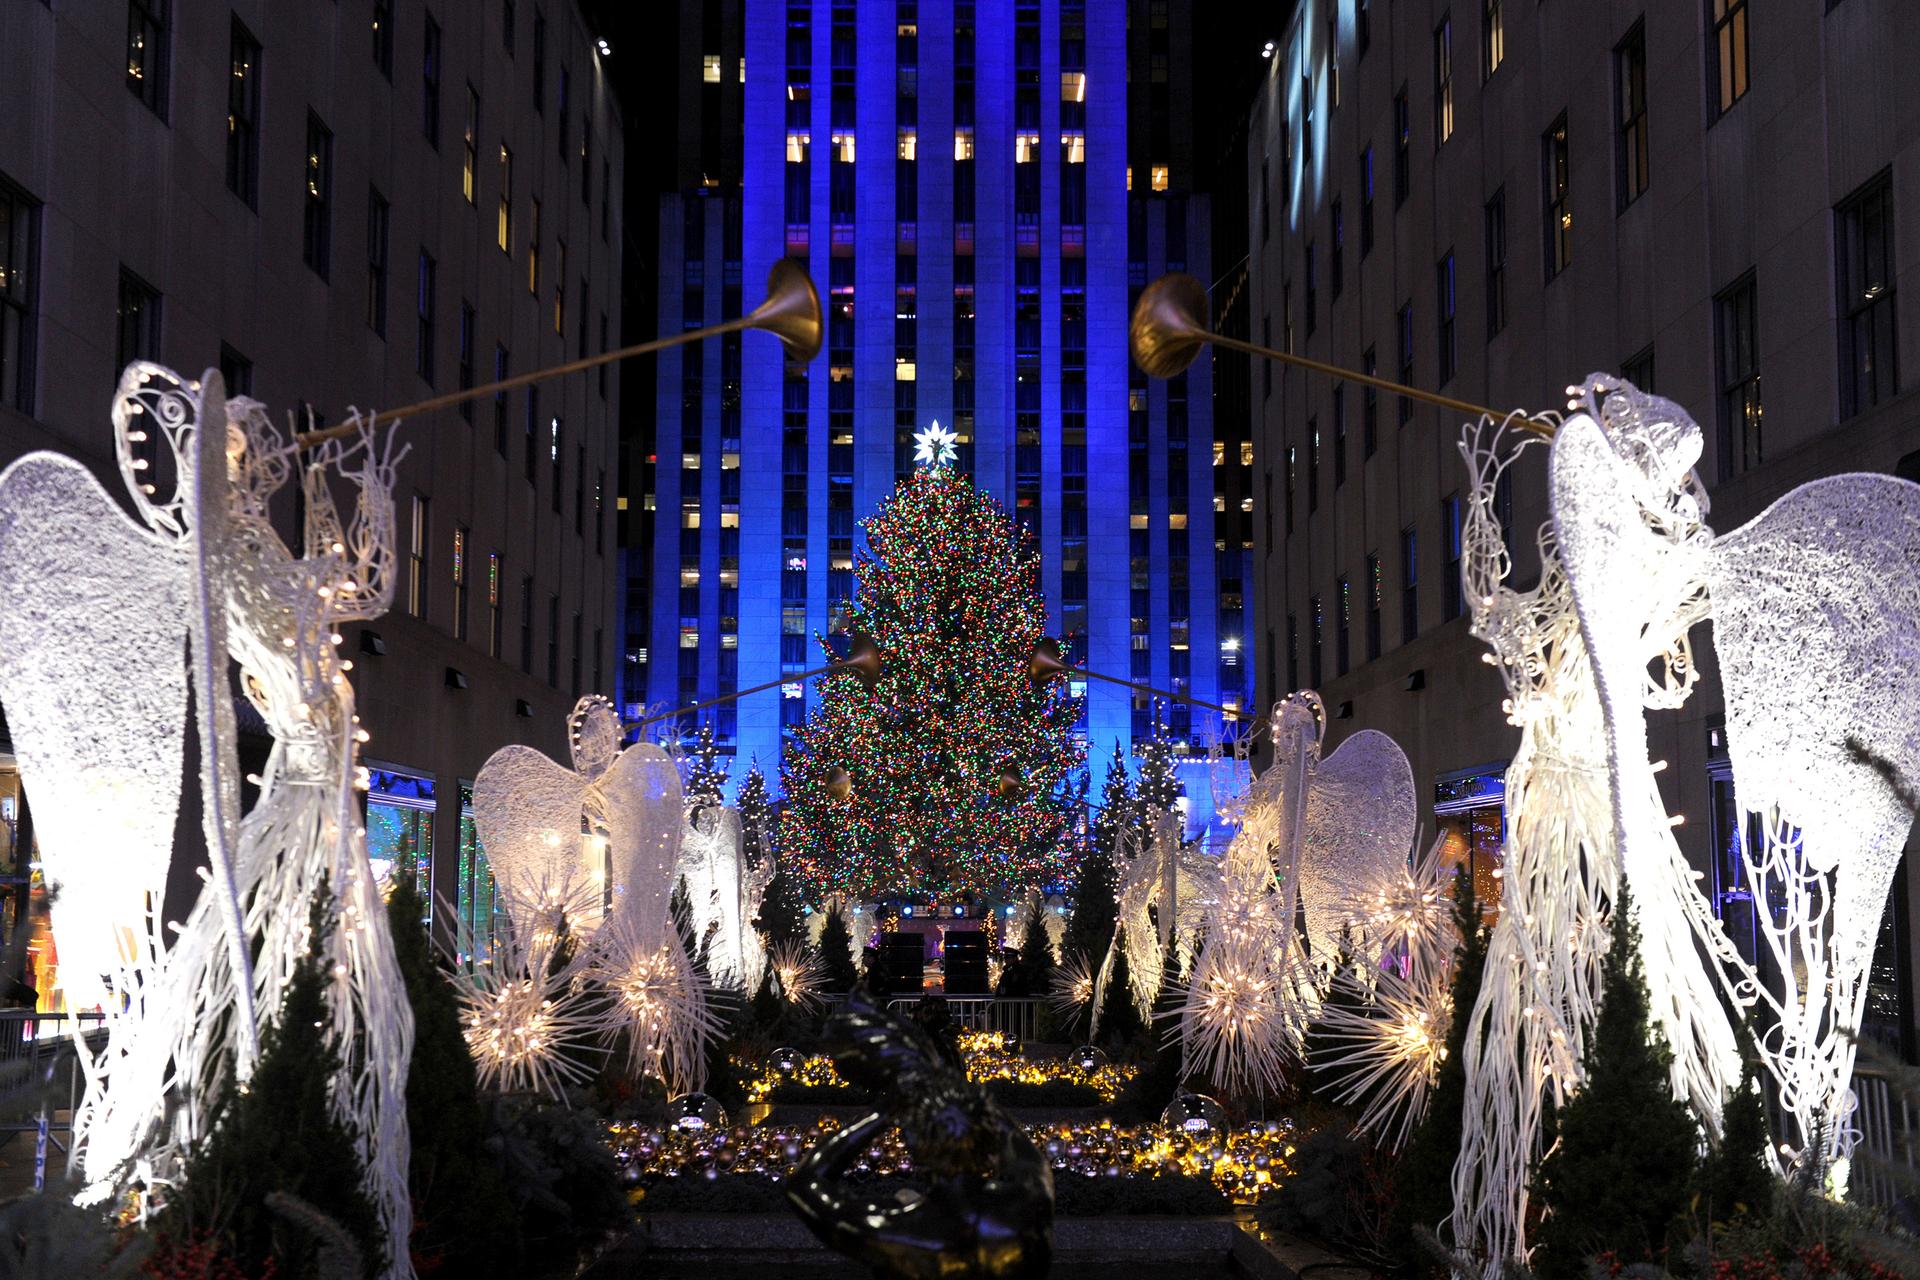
x,y
706,772
952,757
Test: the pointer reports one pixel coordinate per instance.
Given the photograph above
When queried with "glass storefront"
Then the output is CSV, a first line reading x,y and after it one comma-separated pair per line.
x,y
1469,807
479,908
22,889
400,830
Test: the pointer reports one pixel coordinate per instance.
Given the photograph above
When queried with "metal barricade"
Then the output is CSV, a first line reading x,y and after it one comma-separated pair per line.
x,y
44,1043
1889,1132
1017,1016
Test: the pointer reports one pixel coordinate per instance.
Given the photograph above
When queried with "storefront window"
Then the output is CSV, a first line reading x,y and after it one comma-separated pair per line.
x,y
479,906
20,884
400,831
1470,809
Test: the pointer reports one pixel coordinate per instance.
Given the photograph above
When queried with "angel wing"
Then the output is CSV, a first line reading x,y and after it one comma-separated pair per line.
x,y
1816,615
96,693
529,813
1359,826
644,808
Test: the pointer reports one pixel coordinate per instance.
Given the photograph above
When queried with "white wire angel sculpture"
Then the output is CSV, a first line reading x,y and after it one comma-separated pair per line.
x,y
724,895
208,568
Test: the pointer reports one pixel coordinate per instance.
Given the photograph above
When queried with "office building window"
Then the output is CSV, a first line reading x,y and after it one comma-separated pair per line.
x,y
379,216
540,73
149,32
138,330
383,37
1342,625
563,108
417,545
1339,434
526,625
553,429
495,578
1863,240
553,637
19,284
532,433
1366,202
1443,81
533,247
560,289
1450,532
1638,368
243,114
573,682
1293,464
1406,361
1375,588
428,304
1293,654
1493,36
430,84
504,223
1554,179
1444,303
1495,216
1316,642
460,540
1409,585
1729,51
1312,283
470,149
1630,87
316,244
1313,465
466,358
1402,148
236,372
1337,243
1737,333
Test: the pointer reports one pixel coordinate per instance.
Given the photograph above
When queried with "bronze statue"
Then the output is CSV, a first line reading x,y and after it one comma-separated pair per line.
x,y
989,1212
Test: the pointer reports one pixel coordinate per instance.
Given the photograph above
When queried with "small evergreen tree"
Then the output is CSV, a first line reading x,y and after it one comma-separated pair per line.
x,y
1095,906
1736,1179
836,954
462,1218
282,1134
1620,1176
706,773
782,915
1159,786
1162,1075
1425,1183
757,826
1029,970
1120,1026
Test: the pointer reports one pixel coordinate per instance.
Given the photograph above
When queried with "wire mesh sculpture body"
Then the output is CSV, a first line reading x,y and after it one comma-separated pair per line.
x,y
593,851
724,894
190,1025
1538,1001
1816,612
1161,899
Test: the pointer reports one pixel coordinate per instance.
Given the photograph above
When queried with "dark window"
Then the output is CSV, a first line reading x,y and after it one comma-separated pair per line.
x,y
1362,33
1312,283
506,26
1317,619
383,37
1342,625
417,553
1554,182
1293,653
149,32
1630,87
1863,238
470,150
1293,468
139,323
1369,404
466,357
1444,303
1450,571
532,432
526,625
462,548
1728,51
1736,322
243,114
1406,361
1375,589
1366,202
1339,434
1402,148
428,305
1313,465
378,217
316,245
1443,81
553,601
1493,36
1337,244
1409,585
19,286
564,107
430,84
1638,369
1496,222
540,74
236,371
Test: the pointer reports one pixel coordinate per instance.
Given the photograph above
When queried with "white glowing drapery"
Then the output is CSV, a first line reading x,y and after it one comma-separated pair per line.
x,y
724,895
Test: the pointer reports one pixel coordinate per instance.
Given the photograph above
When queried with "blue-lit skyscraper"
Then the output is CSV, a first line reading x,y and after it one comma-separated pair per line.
x,y
954,174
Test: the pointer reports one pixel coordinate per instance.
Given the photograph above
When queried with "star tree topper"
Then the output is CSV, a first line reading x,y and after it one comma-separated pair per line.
x,y
934,447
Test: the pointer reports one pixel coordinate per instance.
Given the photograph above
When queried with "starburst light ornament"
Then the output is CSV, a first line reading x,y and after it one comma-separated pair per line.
x,y
797,973
935,447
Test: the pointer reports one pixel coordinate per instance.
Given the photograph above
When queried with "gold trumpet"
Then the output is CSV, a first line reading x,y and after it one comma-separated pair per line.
x,y
790,313
1170,326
